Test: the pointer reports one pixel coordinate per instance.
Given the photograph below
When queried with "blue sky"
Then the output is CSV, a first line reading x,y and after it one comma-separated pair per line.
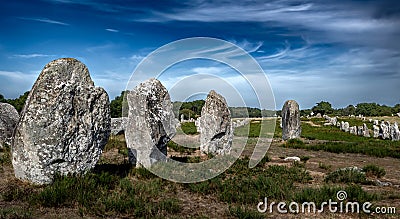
x,y
344,52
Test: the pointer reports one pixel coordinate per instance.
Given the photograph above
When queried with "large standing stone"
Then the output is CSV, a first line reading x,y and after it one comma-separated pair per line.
x,y
118,125
376,131
366,131
360,130
353,130
216,130
8,120
290,120
385,128
151,123
394,132
64,124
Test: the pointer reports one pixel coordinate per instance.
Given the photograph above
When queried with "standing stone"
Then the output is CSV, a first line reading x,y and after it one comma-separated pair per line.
x,y
290,120
8,120
353,130
151,123
398,114
216,130
118,125
376,122
366,131
346,127
376,131
394,132
360,130
318,115
64,124
385,128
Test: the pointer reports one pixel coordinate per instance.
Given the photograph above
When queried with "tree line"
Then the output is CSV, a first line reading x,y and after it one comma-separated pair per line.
x,y
192,109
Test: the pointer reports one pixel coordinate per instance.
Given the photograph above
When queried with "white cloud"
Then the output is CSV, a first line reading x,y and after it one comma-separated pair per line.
x,y
33,55
112,30
45,20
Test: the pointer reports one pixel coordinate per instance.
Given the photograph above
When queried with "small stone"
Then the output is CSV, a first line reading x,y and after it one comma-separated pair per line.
x,y
296,159
291,127
8,120
118,125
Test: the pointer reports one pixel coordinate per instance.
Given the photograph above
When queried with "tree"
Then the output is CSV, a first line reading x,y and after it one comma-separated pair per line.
x,y
349,110
323,108
116,105
19,102
2,100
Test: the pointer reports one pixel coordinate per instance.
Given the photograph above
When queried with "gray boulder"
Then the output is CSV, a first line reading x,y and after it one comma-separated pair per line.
x,y
118,125
376,122
64,124
8,120
216,131
291,127
151,123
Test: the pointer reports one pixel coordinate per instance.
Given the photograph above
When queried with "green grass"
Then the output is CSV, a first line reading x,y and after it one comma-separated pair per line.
x,y
244,212
343,142
103,194
376,149
179,148
326,192
253,129
189,128
240,185
15,212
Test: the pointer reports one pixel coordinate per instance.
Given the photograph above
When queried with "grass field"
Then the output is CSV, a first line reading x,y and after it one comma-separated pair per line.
x,y
116,189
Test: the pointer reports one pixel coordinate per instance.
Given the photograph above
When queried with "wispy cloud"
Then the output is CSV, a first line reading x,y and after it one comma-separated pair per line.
x,y
33,55
45,20
112,30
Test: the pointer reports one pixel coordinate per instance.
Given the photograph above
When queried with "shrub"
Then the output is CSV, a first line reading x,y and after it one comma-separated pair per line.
x,y
373,170
349,175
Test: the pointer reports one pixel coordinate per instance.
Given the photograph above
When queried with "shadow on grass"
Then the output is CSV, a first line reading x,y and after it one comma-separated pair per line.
x,y
121,170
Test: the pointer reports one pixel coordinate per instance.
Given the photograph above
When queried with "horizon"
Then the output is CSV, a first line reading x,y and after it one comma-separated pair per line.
x,y
342,52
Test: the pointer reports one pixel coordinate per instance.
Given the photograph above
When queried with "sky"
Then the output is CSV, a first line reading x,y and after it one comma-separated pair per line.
x,y
344,52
